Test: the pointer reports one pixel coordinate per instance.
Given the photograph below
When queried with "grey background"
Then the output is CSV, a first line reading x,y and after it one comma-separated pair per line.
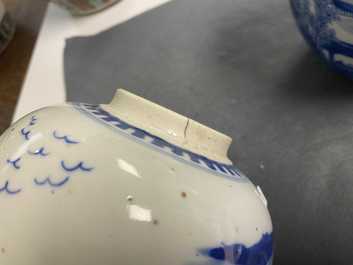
x,y
241,67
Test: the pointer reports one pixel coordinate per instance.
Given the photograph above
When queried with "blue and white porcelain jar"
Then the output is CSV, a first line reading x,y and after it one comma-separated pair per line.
x,y
327,25
126,183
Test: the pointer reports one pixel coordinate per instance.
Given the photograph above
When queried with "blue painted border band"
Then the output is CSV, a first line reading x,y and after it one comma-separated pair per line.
x,y
144,136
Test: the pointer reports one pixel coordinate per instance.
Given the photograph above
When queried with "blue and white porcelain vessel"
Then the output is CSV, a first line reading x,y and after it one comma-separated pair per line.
x,y
327,25
126,183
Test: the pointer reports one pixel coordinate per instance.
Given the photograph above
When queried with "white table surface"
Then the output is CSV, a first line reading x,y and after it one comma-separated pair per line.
x,y
44,84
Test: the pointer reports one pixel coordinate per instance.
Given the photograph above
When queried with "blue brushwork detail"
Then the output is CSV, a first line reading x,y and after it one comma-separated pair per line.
x,y
48,181
7,189
97,112
39,152
260,253
14,163
26,133
33,121
65,138
314,19
138,134
344,6
79,166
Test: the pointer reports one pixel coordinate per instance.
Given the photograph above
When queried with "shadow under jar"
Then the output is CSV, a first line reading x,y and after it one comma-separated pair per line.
x,y
85,7
7,27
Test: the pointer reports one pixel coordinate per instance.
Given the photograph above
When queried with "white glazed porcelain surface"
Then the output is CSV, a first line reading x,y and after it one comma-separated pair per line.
x,y
75,189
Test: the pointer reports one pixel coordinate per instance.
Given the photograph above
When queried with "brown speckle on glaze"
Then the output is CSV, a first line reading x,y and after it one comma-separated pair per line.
x,y
130,198
155,222
3,250
183,194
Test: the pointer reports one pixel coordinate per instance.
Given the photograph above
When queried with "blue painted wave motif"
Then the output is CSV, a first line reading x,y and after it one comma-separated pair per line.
x,y
8,190
314,19
48,181
33,121
15,163
65,138
79,166
26,133
39,152
105,117
260,253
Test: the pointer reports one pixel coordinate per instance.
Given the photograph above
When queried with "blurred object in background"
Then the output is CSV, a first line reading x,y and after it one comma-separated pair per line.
x,y
85,7
7,27
328,27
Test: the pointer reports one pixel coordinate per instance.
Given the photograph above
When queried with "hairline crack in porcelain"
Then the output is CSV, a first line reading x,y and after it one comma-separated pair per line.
x,y
327,25
128,182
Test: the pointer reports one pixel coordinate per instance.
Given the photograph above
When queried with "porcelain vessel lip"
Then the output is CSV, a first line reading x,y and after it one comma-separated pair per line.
x,y
170,126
